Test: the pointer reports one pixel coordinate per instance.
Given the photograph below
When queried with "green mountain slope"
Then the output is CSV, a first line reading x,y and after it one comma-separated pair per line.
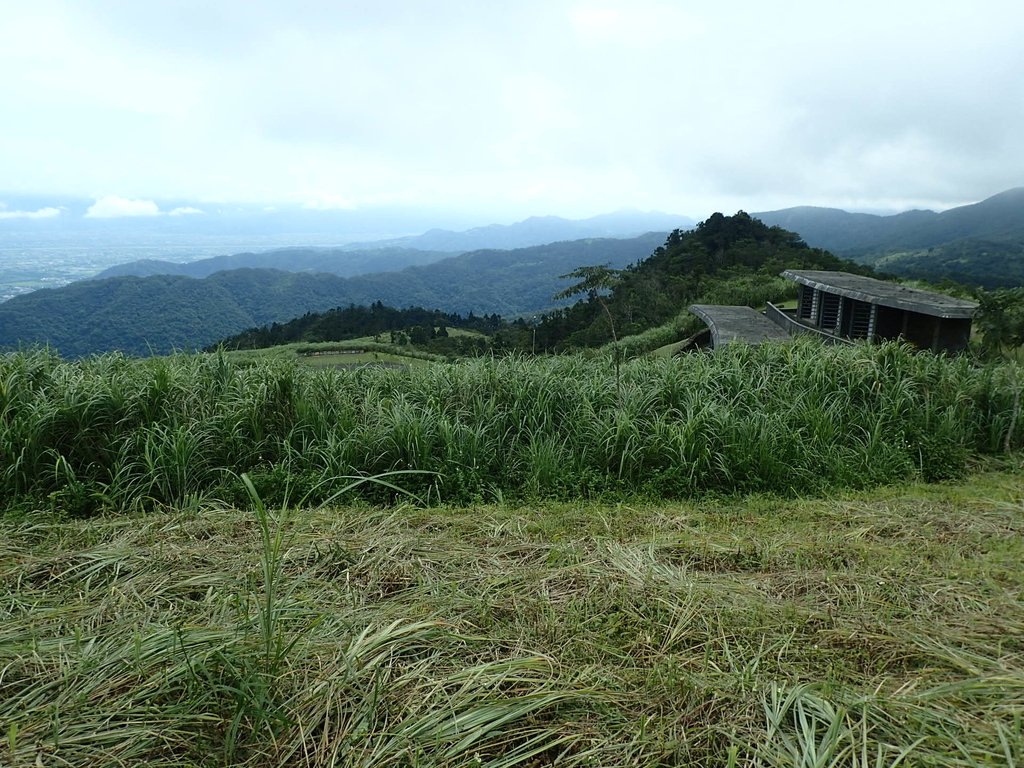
x,y
843,232
539,230
397,253
160,313
980,244
336,261
999,217
724,260
977,262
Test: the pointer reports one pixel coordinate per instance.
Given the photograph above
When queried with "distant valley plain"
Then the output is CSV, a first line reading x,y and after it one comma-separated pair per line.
x,y
33,260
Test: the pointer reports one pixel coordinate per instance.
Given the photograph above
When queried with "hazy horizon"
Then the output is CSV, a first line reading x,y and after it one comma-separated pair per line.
x,y
52,215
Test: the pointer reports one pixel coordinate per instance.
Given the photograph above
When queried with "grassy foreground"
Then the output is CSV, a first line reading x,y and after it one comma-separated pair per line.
x,y
879,628
116,434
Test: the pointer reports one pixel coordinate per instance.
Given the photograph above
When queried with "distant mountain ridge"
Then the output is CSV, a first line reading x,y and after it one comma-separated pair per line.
x,y
540,230
336,261
980,244
431,246
162,313
1000,216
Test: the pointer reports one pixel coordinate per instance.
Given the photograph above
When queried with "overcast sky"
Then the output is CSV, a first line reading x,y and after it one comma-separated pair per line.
x,y
513,108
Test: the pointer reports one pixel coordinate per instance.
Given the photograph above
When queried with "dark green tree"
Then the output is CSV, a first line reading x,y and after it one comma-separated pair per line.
x,y
596,282
1001,319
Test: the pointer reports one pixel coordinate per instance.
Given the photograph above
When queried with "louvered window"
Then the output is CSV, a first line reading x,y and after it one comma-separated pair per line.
x,y
829,311
860,322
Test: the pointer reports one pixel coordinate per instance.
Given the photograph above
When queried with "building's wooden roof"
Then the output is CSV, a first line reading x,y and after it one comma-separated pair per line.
x,y
884,294
743,324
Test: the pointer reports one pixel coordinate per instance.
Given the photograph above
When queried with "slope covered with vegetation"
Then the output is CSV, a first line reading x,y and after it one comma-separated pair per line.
x,y
980,244
724,260
990,264
416,324
344,262
162,313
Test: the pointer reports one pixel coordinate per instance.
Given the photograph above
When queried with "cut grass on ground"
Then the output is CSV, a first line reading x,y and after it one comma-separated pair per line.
x,y
347,359
874,629
323,354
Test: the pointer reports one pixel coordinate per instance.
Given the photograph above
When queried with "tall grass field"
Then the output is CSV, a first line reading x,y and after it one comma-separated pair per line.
x,y
115,434
736,559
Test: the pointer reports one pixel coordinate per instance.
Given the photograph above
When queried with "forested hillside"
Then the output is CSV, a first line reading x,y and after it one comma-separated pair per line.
x,y
973,262
415,324
980,244
336,261
160,313
725,260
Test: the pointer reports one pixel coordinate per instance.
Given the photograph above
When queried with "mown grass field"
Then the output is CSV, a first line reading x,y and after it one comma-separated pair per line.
x,y
364,351
876,628
347,359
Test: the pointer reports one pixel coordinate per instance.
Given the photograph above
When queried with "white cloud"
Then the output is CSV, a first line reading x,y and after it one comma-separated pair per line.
x,y
330,202
41,213
639,24
112,207
539,106
186,210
